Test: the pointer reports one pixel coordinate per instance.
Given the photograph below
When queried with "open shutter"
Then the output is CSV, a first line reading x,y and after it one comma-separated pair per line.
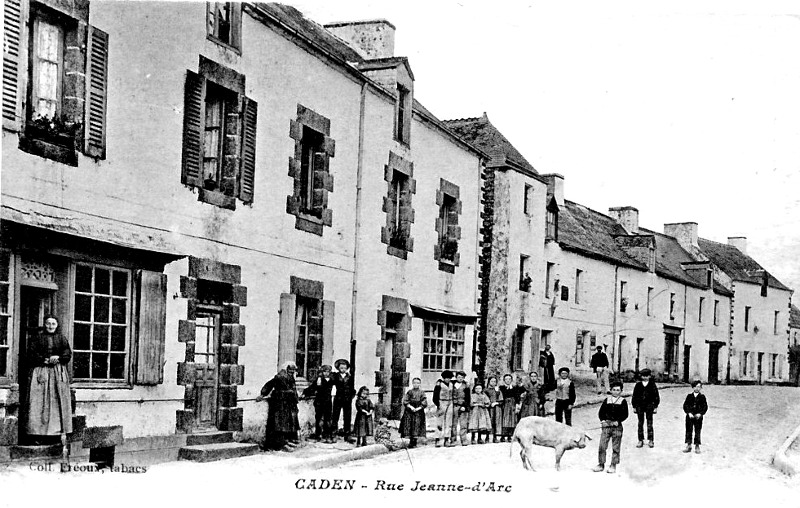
x,y
12,17
328,307
248,174
96,92
320,195
536,338
286,352
193,125
151,325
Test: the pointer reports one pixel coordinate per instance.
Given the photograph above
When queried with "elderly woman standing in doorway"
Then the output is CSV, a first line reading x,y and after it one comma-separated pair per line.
x,y
49,411
282,422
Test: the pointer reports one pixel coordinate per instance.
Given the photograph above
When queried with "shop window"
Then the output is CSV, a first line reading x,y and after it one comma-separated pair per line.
x,y
443,346
224,23
101,324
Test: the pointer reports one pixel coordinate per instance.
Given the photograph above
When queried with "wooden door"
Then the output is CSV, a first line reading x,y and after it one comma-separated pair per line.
x,y
36,304
687,354
206,363
713,363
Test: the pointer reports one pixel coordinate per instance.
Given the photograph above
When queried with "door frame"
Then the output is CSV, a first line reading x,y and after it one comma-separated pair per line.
x,y
217,312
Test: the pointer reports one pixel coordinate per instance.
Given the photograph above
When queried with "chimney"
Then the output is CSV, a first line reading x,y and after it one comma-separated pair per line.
x,y
370,39
684,232
740,242
555,186
627,216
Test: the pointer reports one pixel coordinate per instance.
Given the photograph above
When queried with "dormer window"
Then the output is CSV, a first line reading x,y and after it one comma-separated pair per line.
x,y
224,23
402,124
551,231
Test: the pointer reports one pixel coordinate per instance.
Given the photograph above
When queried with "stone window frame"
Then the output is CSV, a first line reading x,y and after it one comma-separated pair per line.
x,y
396,234
448,232
313,219
234,41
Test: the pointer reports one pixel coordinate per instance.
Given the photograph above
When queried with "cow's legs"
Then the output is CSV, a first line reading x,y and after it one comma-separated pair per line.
x,y
559,454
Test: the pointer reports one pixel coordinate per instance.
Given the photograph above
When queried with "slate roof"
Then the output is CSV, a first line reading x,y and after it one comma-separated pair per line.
x,y
588,232
736,264
794,317
480,133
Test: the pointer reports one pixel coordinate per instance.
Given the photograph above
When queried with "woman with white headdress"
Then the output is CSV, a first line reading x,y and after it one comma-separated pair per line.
x,y
282,422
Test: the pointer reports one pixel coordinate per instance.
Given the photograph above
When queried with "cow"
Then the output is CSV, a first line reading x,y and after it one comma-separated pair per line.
x,y
535,430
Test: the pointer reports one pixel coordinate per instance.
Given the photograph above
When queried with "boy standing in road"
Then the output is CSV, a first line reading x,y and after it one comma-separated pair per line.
x,y
565,396
645,403
613,412
695,406
461,405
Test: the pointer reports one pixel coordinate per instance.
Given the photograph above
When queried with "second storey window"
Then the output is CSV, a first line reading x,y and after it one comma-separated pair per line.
x,y
449,232
527,200
672,305
716,312
402,125
623,296
224,22
48,67
700,306
219,136
747,319
551,224
548,282
397,205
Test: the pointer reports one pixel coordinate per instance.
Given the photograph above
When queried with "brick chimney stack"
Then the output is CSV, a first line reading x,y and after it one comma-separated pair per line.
x,y
555,186
627,216
370,39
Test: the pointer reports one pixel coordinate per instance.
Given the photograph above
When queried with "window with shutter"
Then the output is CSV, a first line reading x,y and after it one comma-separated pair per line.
x,y
12,39
449,232
219,136
150,339
310,169
398,206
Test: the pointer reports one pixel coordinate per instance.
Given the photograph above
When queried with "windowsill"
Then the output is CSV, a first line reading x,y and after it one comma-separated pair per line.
x,y
404,144
397,252
309,217
224,44
217,199
447,266
48,150
101,385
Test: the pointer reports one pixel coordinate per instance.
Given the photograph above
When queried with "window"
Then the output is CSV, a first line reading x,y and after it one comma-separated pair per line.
x,y
101,323
775,323
551,226
672,305
764,283
517,346
548,280
443,346
580,343
649,300
398,206
5,312
716,312
312,160
524,273
700,305
709,277
623,296
219,136
773,366
48,69
398,195
564,293
224,22
402,126
206,331
745,361
527,203
578,274
308,337
449,232
747,319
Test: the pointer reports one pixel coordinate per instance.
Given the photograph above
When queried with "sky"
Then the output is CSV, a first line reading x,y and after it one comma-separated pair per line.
x,y
689,111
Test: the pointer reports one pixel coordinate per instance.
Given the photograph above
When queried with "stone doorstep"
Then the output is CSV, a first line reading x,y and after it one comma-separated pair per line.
x,y
209,438
217,451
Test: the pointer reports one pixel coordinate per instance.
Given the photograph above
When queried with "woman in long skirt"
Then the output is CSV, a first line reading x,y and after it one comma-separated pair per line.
x,y
49,411
282,421
412,424
533,398
508,409
495,408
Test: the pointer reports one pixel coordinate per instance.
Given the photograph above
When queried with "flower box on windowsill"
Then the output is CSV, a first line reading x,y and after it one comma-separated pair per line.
x,y
63,151
217,199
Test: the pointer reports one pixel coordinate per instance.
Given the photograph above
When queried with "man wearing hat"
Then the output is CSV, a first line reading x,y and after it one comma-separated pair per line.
x,y
599,365
343,400
645,402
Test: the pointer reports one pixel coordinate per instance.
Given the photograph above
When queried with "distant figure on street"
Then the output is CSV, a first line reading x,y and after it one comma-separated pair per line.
x,y
613,412
548,362
695,406
282,422
599,365
645,403
565,396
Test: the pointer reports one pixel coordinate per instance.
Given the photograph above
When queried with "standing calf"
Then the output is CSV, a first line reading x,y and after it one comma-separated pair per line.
x,y
535,430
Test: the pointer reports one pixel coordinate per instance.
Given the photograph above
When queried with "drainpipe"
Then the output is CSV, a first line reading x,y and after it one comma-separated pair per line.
x,y
614,321
357,232
685,328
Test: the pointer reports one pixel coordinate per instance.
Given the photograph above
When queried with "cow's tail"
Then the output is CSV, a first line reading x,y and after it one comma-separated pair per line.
x,y
511,445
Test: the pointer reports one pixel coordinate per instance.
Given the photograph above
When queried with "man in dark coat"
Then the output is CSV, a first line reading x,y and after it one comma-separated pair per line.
x,y
645,403
282,422
599,365
343,400
547,361
461,406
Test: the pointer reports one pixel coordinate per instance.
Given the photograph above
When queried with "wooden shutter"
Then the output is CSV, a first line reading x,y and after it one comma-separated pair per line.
x,y
151,327
320,195
12,37
193,129
536,339
328,308
248,173
286,329
96,93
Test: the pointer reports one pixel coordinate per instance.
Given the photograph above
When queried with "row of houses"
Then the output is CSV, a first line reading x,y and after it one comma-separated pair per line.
x,y
230,186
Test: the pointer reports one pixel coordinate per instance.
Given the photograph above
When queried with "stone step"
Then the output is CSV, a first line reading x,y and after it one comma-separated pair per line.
x,y
209,438
217,451
30,452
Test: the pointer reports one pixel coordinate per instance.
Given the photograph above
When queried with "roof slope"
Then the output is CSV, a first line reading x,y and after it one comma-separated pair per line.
x,y
738,265
669,256
482,134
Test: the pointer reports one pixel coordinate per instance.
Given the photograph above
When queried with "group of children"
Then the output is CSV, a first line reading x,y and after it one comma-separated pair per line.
x,y
490,414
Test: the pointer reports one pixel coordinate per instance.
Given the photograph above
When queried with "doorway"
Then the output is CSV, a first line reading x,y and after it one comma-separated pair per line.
x,y
687,355
206,364
35,304
713,362
671,355
639,341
